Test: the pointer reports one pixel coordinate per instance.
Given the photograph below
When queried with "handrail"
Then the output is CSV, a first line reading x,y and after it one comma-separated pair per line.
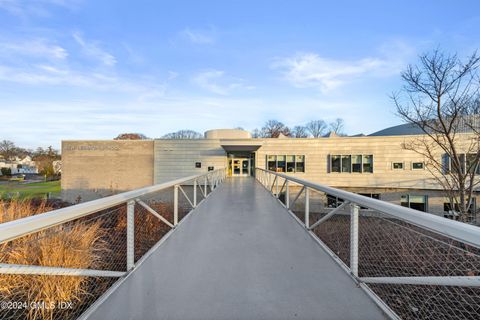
x,y
20,227
460,231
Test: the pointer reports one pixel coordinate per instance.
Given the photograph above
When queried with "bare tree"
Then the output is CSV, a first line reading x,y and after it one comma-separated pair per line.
x,y
183,134
256,133
7,149
130,136
316,128
440,96
337,126
300,132
273,128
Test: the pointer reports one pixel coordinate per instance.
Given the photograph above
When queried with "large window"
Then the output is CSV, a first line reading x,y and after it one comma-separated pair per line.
x,y
335,165
299,163
415,202
272,163
281,164
468,162
351,163
286,163
357,163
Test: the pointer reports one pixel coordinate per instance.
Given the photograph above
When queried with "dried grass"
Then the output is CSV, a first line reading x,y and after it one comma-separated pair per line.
x,y
71,245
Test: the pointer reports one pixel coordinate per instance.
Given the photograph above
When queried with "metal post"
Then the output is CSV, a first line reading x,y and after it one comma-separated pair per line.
x,y
307,207
206,189
130,234
354,239
287,195
276,186
175,205
195,193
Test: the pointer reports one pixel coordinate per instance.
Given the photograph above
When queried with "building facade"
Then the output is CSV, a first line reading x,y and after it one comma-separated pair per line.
x,y
377,166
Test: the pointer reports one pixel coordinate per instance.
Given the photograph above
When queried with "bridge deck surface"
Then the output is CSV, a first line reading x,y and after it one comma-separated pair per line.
x,y
239,255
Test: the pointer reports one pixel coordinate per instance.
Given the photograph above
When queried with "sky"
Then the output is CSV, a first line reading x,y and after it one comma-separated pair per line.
x,y
82,69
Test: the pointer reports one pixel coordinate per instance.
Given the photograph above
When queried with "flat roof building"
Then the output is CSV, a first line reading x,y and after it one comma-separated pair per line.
x,y
377,165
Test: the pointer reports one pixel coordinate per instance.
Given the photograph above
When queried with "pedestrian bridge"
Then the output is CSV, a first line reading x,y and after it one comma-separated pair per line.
x,y
270,247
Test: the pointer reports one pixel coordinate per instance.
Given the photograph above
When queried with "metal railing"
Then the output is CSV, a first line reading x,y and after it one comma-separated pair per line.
x,y
82,249
414,265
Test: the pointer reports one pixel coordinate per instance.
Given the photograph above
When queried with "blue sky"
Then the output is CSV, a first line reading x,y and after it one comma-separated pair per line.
x,y
80,69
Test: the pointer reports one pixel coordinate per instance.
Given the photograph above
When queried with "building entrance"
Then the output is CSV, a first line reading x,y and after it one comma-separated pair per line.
x,y
239,167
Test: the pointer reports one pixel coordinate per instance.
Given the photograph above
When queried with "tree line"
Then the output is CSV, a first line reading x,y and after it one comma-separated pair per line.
x,y
271,129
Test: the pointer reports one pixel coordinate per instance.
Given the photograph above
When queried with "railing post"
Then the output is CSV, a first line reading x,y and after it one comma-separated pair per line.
x,y
175,205
287,195
307,207
276,186
354,209
206,189
195,193
130,235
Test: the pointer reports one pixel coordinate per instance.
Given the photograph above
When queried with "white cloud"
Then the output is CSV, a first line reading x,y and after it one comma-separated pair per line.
x,y
217,82
26,8
35,47
93,50
305,70
199,36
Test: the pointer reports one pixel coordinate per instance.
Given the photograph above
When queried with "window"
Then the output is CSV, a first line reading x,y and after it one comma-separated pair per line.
x,y
333,202
281,164
286,163
300,163
272,163
335,164
346,163
454,214
357,163
368,163
290,163
351,163
419,203
417,165
369,195
397,165
467,162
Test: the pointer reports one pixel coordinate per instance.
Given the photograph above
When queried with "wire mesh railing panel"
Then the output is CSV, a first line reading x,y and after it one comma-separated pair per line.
x,y
335,233
95,242
389,247
392,248
414,302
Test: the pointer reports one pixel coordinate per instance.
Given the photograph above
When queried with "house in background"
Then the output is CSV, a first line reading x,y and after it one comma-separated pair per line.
x,y
19,166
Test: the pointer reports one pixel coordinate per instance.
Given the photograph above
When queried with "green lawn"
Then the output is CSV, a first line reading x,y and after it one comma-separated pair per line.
x,y
30,190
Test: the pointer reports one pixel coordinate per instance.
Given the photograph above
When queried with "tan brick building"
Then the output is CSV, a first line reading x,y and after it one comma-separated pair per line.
x,y
376,165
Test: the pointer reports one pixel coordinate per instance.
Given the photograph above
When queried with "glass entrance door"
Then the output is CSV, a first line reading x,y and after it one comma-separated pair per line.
x,y
239,167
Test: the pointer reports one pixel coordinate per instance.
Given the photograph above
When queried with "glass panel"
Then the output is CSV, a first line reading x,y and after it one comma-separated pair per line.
x,y
404,201
300,163
398,165
335,163
236,166
368,163
245,167
472,165
272,163
281,164
346,163
417,165
290,163
357,163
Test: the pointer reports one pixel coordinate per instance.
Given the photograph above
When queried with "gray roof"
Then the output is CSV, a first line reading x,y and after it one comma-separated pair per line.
x,y
400,130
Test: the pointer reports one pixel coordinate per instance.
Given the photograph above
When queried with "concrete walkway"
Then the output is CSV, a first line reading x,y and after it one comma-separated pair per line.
x,y
240,255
